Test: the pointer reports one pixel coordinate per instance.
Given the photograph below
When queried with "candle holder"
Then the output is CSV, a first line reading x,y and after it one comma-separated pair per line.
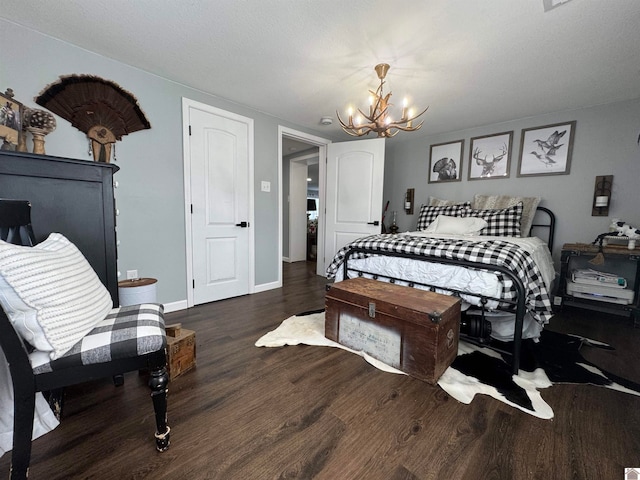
x,y
394,226
602,196
39,123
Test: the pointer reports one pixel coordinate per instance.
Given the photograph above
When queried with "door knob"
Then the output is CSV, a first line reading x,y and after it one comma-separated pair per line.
x,y
376,223
242,224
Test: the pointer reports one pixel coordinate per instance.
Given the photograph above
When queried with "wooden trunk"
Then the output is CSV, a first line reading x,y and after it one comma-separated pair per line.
x,y
413,330
181,350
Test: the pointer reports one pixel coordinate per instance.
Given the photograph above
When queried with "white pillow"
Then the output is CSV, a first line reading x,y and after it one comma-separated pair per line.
x,y
51,294
456,225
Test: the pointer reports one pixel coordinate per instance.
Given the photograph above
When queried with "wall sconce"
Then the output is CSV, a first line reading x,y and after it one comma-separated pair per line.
x,y
408,201
602,196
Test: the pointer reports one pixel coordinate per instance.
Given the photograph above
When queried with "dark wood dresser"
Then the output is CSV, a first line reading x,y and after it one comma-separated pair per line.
x,y
72,197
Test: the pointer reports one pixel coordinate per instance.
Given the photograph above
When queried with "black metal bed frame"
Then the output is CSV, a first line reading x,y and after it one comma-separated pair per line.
x,y
519,302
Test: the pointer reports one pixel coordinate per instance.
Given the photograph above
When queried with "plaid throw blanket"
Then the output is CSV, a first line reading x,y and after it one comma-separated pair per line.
x,y
490,252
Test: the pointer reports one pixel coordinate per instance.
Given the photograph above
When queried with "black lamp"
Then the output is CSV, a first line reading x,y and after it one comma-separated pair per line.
x,y
311,205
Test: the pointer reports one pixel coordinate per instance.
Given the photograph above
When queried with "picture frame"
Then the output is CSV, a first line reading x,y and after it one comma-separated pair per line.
x,y
490,156
10,120
546,150
445,162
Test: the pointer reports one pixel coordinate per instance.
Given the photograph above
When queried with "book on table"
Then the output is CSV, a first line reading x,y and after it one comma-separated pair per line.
x,y
590,276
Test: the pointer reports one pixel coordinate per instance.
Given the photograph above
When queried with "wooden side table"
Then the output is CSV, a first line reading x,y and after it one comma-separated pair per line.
x,y
618,260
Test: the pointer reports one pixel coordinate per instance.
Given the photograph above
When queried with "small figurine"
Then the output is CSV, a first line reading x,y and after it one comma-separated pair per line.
x,y
623,229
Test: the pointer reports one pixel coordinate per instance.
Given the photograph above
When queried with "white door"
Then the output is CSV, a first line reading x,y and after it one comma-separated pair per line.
x,y
220,159
297,211
355,174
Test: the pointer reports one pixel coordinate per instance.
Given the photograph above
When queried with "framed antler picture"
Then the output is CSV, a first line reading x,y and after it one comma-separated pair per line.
x,y
490,156
445,162
546,150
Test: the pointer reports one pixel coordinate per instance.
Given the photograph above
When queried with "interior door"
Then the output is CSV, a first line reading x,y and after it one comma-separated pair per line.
x,y
220,180
355,174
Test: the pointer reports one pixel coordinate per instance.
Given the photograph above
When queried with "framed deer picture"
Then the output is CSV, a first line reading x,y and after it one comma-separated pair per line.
x,y
490,156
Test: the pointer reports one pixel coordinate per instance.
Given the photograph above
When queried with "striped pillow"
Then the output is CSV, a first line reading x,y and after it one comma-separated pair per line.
x,y
51,294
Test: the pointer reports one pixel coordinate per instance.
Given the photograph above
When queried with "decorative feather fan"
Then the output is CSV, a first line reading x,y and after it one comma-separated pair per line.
x,y
98,107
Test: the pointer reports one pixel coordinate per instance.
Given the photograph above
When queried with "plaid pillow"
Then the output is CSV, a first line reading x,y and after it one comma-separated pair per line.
x,y
500,223
429,213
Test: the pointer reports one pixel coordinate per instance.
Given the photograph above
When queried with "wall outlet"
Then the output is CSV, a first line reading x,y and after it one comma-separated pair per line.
x,y
132,274
266,186
557,300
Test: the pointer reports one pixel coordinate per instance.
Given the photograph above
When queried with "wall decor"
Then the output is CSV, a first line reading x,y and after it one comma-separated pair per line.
x,y
546,150
490,156
10,120
39,123
100,108
445,162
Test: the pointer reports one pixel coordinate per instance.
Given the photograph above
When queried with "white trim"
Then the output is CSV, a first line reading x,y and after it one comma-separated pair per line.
x,y
267,286
321,143
186,157
175,306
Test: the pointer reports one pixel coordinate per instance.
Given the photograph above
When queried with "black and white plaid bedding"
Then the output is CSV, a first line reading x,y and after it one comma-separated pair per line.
x,y
125,332
490,252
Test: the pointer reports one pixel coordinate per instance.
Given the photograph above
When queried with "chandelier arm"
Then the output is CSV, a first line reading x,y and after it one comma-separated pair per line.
x,y
348,131
366,116
355,131
408,129
416,116
344,125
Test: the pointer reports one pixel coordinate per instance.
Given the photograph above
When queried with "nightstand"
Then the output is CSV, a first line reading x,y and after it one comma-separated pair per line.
x,y
597,295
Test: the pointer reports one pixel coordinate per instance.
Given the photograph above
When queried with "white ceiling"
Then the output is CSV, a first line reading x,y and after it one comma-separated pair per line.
x,y
472,62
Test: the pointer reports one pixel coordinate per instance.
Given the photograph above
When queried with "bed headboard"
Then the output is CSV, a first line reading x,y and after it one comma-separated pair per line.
x,y
545,219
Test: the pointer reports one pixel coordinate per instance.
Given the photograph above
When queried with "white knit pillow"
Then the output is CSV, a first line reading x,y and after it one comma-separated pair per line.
x,y
457,225
51,294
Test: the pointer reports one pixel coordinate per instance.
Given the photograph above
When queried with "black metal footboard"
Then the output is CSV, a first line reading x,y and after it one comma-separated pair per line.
x,y
518,303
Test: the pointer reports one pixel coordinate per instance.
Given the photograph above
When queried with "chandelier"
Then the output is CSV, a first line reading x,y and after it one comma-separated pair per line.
x,y
379,119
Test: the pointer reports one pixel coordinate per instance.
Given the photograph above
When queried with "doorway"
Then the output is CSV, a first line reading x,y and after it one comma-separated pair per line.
x,y
301,141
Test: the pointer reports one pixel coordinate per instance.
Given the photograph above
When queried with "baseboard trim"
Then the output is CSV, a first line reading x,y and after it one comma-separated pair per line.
x,y
175,306
182,304
267,286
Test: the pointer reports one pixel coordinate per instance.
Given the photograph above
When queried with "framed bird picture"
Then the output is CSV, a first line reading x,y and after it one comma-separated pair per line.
x,y
546,150
445,162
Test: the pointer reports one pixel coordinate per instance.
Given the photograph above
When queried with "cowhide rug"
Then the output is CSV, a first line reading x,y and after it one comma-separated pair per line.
x,y
476,370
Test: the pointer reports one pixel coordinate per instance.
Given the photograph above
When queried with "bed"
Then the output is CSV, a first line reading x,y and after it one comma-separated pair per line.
x,y
482,251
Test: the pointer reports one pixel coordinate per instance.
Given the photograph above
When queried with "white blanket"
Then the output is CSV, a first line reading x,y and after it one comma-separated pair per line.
x,y
463,279
44,420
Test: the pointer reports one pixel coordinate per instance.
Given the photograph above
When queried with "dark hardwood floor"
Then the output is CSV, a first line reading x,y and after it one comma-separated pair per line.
x,y
302,412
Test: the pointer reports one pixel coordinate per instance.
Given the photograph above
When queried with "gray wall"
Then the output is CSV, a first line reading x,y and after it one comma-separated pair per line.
x,y
605,143
150,196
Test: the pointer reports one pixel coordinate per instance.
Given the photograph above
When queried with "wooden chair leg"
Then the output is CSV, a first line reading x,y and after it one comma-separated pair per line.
x,y
23,411
158,382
